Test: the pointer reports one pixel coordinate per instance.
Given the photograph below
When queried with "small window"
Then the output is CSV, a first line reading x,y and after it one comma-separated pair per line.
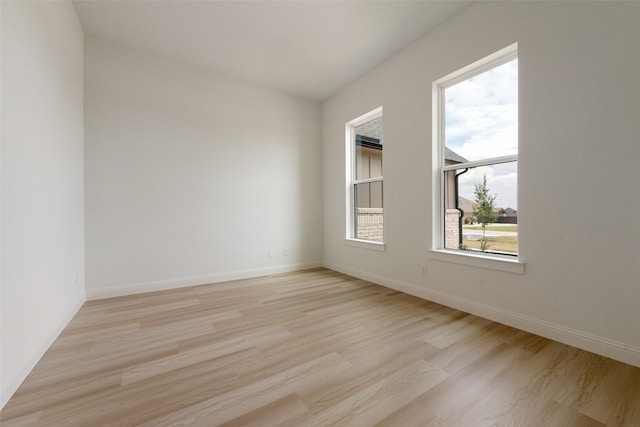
x,y
477,143
364,174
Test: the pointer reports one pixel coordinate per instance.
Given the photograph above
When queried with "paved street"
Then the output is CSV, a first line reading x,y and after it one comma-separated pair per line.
x,y
477,234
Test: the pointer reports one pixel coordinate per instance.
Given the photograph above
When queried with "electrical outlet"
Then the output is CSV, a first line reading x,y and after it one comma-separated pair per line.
x,y
285,252
270,253
425,271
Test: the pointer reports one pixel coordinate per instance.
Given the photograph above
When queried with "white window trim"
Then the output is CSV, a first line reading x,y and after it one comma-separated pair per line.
x,y
350,166
481,260
366,244
438,252
478,163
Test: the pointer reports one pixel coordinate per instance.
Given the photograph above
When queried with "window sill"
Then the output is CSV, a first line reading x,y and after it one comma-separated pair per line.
x,y
478,260
366,244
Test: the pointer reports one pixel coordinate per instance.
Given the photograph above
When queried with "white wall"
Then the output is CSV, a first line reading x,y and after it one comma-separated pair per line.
x,y
579,199
42,181
191,176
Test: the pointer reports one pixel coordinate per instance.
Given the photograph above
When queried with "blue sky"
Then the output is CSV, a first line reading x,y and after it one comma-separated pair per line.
x,y
481,121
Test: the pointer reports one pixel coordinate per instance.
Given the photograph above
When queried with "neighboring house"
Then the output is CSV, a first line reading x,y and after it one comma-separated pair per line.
x,y
451,158
508,216
369,163
369,196
456,209
467,206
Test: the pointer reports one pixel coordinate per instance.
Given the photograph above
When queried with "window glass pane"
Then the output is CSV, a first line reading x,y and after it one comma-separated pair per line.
x,y
368,149
481,115
482,220
368,211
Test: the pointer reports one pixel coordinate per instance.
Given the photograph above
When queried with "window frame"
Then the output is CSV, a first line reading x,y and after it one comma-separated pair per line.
x,y
438,251
352,182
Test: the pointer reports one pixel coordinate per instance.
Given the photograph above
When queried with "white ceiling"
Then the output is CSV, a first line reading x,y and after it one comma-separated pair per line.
x,y
307,48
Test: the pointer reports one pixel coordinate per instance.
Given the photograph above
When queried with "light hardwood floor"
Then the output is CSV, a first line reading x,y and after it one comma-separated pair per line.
x,y
313,348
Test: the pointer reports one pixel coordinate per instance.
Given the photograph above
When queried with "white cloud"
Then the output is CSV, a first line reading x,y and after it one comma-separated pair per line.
x,y
481,116
502,181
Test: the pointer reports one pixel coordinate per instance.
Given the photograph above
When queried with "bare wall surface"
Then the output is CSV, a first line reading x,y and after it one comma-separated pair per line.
x,y
579,202
191,177
42,181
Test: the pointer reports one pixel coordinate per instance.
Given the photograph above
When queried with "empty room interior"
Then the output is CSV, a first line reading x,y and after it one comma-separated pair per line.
x,y
314,213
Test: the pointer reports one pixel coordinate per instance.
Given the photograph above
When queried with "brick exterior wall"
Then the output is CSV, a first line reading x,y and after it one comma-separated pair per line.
x,y
451,230
369,223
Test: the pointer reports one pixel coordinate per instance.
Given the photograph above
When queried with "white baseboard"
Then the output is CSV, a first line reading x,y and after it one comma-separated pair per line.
x,y
15,379
593,343
183,282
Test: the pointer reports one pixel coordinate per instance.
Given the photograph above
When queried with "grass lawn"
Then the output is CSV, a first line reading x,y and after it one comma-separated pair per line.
x,y
499,243
513,228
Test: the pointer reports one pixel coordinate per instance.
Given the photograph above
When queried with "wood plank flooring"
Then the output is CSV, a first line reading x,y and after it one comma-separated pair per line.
x,y
312,348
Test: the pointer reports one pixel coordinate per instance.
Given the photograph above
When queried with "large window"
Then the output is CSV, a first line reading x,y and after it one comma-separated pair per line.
x,y
364,176
477,142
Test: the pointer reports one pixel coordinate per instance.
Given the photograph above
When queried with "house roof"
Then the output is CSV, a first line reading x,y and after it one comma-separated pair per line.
x,y
371,130
511,212
451,157
466,205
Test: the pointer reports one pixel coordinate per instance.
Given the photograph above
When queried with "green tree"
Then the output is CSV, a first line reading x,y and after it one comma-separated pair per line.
x,y
484,210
